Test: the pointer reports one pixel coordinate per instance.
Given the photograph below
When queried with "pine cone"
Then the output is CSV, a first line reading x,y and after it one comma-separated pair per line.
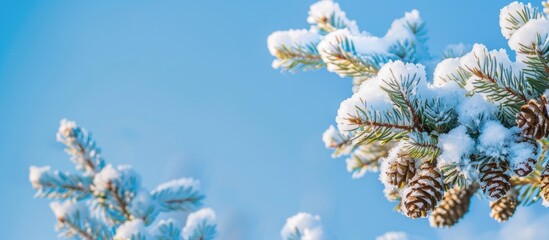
x,y
401,171
453,206
494,180
423,193
544,191
505,207
533,118
524,168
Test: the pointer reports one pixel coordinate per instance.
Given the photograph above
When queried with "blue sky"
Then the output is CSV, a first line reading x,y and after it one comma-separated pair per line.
x,y
186,89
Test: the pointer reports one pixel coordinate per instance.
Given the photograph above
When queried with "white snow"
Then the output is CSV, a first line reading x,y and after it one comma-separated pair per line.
x,y
176,184
399,30
68,208
472,107
291,38
36,173
332,138
528,34
131,228
511,13
454,146
310,226
327,9
106,176
445,69
494,140
203,216
371,96
65,130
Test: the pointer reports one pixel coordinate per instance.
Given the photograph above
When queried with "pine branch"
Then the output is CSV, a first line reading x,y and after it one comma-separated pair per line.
x,y
420,145
400,92
377,126
59,185
301,57
537,64
81,146
343,59
178,195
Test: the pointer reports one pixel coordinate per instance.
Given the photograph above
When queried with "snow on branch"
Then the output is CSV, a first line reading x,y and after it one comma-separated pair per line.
x,y
480,123
109,202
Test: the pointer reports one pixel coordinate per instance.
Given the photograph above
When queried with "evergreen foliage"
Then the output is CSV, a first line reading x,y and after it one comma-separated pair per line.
x,y
106,202
480,122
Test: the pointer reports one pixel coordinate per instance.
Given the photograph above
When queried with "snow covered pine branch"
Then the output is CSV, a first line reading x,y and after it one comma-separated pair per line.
x,y
480,123
106,202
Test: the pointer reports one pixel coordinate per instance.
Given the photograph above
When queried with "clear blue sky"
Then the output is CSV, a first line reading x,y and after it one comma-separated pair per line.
x,y
186,88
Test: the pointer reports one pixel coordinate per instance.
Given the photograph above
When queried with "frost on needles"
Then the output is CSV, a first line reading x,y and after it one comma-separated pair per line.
x,y
102,201
479,123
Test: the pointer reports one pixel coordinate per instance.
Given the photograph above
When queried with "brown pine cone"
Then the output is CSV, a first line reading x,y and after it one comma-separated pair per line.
x,y
494,180
453,206
401,171
533,118
423,192
504,208
524,168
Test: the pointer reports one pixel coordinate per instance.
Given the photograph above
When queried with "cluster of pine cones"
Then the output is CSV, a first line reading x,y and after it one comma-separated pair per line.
x,y
424,192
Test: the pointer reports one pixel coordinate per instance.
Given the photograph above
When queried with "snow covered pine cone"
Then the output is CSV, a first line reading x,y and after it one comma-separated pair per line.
x,y
494,180
453,206
423,192
533,118
504,208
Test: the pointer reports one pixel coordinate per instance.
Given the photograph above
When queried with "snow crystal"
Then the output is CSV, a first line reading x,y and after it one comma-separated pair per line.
x,y
134,227
325,10
454,146
393,236
310,227
203,216
494,139
174,185
528,34
510,17
36,173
